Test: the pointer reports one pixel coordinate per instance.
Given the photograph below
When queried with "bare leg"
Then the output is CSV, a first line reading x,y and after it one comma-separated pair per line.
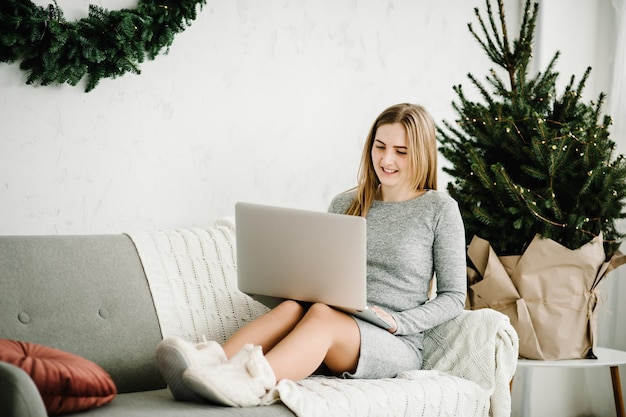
x,y
296,341
268,329
323,335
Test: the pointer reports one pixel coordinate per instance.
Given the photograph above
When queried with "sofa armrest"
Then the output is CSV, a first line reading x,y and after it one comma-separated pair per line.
x,y
478,345
19,396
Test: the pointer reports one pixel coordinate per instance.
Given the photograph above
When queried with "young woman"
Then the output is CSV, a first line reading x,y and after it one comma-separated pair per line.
x,y
413,233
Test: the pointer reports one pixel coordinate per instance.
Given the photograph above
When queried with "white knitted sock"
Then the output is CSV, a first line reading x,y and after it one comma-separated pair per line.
x,y
241,382
174,355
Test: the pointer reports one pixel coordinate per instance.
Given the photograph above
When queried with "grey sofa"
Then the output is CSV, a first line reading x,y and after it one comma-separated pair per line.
x,y
89,295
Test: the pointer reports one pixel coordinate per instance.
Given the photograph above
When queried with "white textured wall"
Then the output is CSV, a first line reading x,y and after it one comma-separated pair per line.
x,y
258,101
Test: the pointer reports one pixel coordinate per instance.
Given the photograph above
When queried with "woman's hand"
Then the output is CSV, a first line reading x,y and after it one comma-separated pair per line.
x,y
387,317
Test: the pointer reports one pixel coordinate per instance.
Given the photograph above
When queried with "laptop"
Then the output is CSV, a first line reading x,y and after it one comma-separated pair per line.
x,y
310,256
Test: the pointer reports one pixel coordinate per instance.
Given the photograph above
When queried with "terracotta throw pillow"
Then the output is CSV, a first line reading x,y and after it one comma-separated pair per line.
x,y
67,382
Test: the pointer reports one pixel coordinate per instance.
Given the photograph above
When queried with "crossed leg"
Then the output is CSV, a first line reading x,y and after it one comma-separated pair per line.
x,y
296,340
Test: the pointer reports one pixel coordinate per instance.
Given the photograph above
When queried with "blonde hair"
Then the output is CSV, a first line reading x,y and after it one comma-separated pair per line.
x,y
422,151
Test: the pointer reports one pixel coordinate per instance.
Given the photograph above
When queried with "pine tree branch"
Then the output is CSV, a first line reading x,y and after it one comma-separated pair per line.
x,y
488,45
506,50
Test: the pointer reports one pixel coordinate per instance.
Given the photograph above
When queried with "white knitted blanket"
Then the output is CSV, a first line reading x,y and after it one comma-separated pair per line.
x,y
468,361
193,279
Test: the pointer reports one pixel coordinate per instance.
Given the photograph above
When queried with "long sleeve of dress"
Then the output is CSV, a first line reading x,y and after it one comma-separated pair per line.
x,y
449,262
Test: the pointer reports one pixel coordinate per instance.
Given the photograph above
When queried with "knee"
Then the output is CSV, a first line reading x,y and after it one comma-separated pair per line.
x,y
320,310
290,308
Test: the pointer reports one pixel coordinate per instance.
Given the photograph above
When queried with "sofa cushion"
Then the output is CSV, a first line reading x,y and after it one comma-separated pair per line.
x,y
85,294
67,382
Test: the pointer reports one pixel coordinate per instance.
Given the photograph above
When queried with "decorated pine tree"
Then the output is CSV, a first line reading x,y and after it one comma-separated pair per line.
x,y
527,159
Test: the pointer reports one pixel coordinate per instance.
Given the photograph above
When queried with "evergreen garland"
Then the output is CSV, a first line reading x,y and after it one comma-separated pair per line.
x,y
104,44
527,161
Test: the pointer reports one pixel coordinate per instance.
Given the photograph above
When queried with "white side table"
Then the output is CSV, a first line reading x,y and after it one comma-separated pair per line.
x,y
606,357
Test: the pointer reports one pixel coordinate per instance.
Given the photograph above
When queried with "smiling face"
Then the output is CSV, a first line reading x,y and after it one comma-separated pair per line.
x,y
399,158
391,162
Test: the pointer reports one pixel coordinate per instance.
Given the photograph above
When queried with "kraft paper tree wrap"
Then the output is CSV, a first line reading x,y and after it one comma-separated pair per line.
x,y
550,293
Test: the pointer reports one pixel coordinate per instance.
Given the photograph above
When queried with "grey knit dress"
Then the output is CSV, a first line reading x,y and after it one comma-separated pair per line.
x,y
407,243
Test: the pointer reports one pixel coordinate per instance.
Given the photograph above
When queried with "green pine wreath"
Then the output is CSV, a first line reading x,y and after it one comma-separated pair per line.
x,y
105,44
